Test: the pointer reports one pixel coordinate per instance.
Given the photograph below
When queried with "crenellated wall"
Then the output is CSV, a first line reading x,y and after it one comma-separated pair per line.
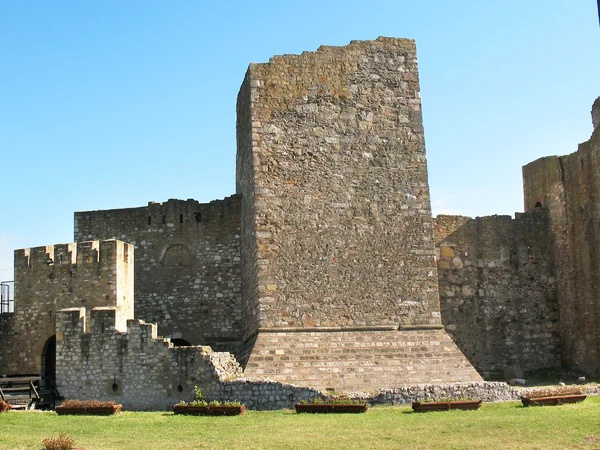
x,y
187,265
53,277
498,291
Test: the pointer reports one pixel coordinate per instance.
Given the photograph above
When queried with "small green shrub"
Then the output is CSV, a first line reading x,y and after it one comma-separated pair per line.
x,y
232,404
62,442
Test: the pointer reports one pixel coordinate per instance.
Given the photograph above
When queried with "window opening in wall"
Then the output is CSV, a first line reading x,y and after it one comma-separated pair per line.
x,y
164,219
538,204
149,220
180,218
198,217
7,299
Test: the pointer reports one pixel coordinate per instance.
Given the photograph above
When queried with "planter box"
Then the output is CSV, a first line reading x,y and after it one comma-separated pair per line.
x,y
226,410
551,401
93,411
209,410
340,408
446,406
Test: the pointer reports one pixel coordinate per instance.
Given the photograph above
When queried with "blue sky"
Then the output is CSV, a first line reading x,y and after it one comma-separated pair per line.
x,y
116,103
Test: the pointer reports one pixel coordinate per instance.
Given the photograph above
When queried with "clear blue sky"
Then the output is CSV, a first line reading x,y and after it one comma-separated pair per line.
x,y
112,104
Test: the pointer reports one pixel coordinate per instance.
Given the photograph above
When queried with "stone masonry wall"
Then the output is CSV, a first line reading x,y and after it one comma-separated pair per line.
x,y
570,188
332,143
131,366
498,291
187,266
53,277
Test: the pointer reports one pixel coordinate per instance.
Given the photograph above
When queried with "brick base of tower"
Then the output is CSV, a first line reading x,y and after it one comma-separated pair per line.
x,y
361,360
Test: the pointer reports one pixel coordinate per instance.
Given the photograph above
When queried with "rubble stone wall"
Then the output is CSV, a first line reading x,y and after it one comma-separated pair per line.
x,y
570,188
498,291
339,218
187,266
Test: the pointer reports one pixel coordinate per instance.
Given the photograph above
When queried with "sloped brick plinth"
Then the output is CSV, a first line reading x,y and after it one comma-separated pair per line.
x,y
358,360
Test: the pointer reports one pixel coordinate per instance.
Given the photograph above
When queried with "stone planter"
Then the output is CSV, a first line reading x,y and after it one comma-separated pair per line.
x,y
332,408
552,401
446,406
209,410
93,411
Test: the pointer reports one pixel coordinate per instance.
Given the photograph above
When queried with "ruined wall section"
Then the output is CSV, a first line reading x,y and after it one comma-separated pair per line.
x,y
54,277
96,359
498,291
571,188
187,265
340,214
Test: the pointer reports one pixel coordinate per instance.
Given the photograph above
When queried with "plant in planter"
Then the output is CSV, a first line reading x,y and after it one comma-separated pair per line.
x,y
4,406
332,405
446,404
200,407
90,407
554,396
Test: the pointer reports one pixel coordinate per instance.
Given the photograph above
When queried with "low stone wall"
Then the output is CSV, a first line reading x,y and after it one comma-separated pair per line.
x,y
487,391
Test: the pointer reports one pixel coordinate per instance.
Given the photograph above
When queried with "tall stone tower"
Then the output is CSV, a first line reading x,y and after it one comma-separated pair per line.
x,y
340,285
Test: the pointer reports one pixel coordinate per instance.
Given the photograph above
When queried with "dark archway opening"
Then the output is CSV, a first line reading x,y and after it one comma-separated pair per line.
x,y
538,204
49,365
180,343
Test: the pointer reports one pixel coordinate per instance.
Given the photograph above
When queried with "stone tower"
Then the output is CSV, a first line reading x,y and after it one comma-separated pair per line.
x,y
340,284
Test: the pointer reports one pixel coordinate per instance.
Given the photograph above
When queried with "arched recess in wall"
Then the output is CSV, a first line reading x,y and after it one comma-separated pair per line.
x,y
180,342
176,255
49,364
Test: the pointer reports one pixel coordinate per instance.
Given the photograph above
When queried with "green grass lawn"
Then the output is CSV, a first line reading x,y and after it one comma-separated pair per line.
x,y
494,426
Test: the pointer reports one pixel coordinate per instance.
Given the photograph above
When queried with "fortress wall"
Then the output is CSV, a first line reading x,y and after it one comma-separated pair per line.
x,y
188,269
498,291
340,217
96,360
574,203
133,367
53,277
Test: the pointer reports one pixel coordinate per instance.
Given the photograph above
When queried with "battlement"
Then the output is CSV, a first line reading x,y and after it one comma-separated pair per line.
x,y
58,256
173,212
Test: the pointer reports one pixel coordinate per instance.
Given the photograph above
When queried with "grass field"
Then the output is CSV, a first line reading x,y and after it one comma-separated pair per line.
x,y
494,426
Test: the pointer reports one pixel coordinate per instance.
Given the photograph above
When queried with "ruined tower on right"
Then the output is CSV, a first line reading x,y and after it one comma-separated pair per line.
x,y
569,186
340,284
